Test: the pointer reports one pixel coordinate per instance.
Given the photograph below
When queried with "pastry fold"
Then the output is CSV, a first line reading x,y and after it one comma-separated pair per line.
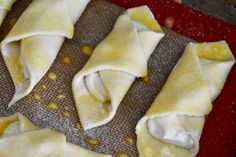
x,y
172,126
34,42
5,7
20,138
115,63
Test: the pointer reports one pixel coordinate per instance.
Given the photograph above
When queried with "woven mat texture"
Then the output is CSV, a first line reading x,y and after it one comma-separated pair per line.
x,y
95,24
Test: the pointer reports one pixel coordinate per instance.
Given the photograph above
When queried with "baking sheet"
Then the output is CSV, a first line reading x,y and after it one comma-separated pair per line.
x,y
116,137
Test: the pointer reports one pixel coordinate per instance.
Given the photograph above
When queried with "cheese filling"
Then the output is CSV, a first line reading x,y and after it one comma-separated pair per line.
x,y
170,129
95,86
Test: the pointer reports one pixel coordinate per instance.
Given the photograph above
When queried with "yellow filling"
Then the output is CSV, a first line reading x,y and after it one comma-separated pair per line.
x,y
218,51
61,96
44,86
66,114
66,60
143,15
121,154
87,50
52,106
78,125
37,97
146,79
129,140
52,76
92,142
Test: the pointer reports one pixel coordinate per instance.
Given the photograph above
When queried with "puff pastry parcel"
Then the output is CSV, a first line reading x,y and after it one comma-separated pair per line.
x,y
172,126
20,138
32,45
5,6
115,63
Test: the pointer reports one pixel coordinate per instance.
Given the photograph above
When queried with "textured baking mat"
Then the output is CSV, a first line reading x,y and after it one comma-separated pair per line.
x,y
51,103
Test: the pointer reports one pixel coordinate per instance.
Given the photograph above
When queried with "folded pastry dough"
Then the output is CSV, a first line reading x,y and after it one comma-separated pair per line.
x,y
5,6
173,124
32,45
20,138
115,63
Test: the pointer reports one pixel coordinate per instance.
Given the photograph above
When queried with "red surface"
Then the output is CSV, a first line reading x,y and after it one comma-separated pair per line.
x,y
219,133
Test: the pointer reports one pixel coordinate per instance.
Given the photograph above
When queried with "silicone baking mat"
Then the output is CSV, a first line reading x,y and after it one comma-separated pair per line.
x,y
51,103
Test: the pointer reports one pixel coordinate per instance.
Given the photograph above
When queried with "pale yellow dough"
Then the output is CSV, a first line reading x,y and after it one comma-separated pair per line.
x,y
35,40
5,6
172,126
115,63
20,138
